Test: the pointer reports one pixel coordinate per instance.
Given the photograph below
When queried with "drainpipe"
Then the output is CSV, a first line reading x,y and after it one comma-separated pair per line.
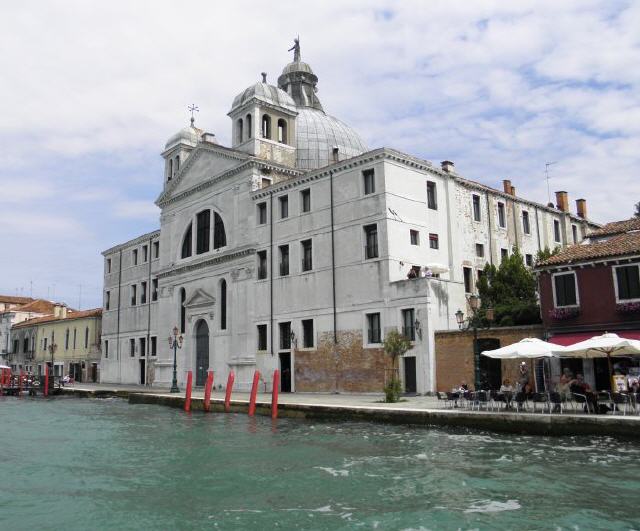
x,y
490,231
515,224
271,267
118,320
538,229
333,284
149,295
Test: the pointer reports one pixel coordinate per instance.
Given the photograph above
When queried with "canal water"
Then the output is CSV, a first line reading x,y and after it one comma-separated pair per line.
x,y
104,464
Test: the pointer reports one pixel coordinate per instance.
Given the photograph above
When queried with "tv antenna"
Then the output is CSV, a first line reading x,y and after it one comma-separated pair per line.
x,y
546,172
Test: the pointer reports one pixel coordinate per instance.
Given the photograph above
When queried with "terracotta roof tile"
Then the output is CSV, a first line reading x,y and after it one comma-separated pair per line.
x,y
619,245
15,300
617,227
38,306
96,312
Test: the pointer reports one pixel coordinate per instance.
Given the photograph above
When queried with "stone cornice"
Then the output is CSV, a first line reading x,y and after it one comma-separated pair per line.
x,y
207,262
591,262
131,243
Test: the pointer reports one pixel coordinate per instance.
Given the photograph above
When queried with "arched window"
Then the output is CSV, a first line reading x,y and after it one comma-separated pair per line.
x,y
239,131
266,126
186,243
223,304
66,340
248,120
170,176
219,236
203,231
282,131
86,337
183,310
177,163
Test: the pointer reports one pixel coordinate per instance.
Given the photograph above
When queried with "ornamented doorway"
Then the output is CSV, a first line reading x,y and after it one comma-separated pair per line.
x,y
202,352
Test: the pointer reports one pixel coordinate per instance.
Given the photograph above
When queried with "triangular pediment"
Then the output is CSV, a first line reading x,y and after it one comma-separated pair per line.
x,y
200,299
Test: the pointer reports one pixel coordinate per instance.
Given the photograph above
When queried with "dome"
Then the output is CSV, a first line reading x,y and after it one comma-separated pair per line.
x,y
265,93
189,135
297,66
318,133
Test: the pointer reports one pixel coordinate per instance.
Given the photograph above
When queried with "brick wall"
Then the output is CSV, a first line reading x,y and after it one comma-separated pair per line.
x,y
355,369
454,354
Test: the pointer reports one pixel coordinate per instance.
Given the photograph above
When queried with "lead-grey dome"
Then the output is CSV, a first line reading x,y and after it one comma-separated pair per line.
x,y
189,135
265,93
317,134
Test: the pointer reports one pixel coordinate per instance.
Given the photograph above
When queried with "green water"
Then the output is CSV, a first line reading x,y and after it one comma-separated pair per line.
x,y
105,464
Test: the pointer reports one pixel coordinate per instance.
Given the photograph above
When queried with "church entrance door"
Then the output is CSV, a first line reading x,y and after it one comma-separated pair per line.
x,y
202,352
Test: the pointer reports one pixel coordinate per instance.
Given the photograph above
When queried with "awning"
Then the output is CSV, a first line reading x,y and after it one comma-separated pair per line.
x,y
569,339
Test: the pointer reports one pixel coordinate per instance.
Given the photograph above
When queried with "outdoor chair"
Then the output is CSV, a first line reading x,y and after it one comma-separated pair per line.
x,y
582,399
557,401
496,399
520,399
480,399
447,398
540,398
620,399
604,397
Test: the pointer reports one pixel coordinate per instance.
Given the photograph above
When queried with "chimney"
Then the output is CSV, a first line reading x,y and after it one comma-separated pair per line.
x,y
448,166
513,190
562,201
506,186
581,208
57,310
63,312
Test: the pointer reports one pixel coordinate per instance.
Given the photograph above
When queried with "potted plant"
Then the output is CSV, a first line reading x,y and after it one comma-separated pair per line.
x,y
395,345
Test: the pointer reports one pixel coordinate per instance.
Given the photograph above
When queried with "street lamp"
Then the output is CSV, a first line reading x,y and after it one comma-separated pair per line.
x,y
175,343
52,350
473,321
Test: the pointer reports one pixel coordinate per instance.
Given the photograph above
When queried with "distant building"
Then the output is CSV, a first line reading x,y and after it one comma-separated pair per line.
x,y
75,336
299,248
14,313
593,288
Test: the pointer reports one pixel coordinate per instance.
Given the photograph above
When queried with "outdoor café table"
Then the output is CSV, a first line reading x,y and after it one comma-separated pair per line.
x,y
508,397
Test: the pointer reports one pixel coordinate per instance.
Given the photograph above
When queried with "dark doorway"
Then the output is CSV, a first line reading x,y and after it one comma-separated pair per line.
x,y
285,372
410,384
490,368
94,372
202,352
143,372
75,372
602,376
573,364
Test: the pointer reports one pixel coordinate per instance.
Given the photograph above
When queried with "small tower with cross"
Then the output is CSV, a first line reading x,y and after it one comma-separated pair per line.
x,y
179,146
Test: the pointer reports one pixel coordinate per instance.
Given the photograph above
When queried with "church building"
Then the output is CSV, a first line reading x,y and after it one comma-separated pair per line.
x,y
299,248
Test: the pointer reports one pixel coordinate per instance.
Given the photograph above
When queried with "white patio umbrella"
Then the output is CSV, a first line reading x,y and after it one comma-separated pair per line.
x,y
602,346
529,347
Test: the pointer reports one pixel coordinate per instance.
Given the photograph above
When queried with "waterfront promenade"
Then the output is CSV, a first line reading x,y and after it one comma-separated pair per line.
x,y
416,410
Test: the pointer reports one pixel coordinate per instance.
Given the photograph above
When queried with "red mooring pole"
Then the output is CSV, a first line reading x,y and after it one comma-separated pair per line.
x,y
254,393
207,391
187,398
20,384
46,380
227,396
274,394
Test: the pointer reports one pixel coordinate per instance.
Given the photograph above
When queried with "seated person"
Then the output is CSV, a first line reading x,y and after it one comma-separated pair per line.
x,y
464,389
579,386
506,386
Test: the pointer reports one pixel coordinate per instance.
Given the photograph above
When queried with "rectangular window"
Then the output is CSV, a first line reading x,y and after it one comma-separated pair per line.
x,y
44,344
143,347
628,280
203,222
305,200
132,348
106,348
108,265
432,196
307,333
262,337
371,241
285,336
408,324
525,222
433,241
86,337
369,182
262,213
565,289
528,259
75,335
262,265
307,258
135,256
145,253
414,237
502,220
284,206
154,290
156,250
284,260
143,293
467,274
134,294
479,250
476,207
154,345
107,300
504,253
556,230
574,233
373,328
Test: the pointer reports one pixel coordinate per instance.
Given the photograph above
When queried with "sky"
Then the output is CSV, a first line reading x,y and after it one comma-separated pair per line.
x,y
92,90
